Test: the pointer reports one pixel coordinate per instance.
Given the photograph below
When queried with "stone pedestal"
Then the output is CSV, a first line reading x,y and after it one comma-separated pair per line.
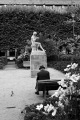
x,y
37,58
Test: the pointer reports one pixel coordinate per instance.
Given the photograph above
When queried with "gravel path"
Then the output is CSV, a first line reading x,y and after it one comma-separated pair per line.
x,y
23,87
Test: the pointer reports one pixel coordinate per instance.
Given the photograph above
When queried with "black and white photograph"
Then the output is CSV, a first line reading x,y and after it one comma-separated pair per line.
x,y
39,59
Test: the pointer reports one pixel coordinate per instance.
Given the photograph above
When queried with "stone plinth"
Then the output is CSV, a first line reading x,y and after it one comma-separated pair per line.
x,y
37,58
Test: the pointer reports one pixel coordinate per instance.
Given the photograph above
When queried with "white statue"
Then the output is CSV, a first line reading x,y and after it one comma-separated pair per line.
x,y
35,45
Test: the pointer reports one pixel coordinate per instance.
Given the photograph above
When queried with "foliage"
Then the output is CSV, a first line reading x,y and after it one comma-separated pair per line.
x,y
61,61
20,59
58,65
3,61
17,26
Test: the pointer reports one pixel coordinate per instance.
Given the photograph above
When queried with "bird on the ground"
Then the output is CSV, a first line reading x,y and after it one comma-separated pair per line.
x,y
12,93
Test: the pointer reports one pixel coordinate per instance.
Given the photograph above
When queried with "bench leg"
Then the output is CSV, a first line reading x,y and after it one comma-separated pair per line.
x,y
44,92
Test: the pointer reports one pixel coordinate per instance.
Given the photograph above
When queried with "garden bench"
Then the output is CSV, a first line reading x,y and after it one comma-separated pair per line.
x,y
44,85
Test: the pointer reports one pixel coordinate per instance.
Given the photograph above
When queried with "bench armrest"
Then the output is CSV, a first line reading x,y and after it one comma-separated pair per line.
x,y
49,81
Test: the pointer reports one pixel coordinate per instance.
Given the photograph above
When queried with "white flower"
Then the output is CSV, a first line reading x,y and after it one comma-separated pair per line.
x,y
60,90
77,77
61,96
67,75
68,65
56,94
46,107
74,78
65,86
62,83
54,112
74,65
50,108
39,107
66,69
60,104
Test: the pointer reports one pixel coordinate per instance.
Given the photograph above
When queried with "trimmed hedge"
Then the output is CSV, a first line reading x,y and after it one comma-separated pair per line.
x,y
3,62
63,61
17,25
59,65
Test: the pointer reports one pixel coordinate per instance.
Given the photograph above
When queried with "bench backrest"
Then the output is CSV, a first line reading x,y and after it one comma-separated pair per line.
x,y
48,84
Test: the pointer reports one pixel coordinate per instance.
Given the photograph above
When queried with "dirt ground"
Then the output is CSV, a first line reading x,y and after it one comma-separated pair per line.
x,y
23,87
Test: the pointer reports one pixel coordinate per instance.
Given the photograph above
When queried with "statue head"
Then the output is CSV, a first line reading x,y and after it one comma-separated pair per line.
x,y
34,33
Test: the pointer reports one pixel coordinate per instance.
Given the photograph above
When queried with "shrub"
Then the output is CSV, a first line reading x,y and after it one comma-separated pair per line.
x,y
58,65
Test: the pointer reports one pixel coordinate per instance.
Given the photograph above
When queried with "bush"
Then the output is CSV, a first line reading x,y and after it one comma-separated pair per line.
x,y
58,65
3,62
19,61
18,25
62,61
52,58
66,57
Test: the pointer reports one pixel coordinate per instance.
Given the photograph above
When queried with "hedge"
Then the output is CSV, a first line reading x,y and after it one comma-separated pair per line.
x,y
62,62
17,26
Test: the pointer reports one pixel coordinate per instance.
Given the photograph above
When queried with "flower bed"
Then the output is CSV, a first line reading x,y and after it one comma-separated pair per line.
x,y
64,104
